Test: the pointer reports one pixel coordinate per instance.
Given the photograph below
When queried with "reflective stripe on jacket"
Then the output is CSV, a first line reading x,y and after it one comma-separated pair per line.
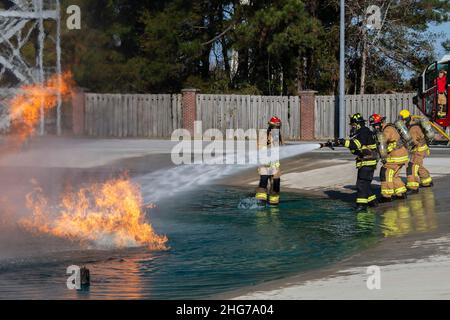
x,y
363,145
419,139
397,152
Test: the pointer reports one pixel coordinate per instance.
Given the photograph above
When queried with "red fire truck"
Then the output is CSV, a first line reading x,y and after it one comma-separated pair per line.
x,y
428,95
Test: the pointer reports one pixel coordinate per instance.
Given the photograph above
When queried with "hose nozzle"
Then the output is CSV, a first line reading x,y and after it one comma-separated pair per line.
x,y
328,144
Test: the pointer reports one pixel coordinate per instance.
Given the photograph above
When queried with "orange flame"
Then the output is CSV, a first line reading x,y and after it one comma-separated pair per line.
x,y
25,107
107,214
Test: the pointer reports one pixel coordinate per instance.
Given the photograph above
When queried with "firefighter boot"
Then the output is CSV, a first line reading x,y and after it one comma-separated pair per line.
x,y
401,196
362,207
412,192
261,192
385,200
274,198
374,204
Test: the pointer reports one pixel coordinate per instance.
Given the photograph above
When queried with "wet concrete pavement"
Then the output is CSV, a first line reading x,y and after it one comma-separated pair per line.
x,y
414,224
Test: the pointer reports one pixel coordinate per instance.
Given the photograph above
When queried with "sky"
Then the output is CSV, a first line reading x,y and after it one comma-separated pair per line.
x,y
445,29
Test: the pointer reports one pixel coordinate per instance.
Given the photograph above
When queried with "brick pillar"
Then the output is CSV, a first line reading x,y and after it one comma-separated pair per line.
x,y
78,104
307,114
189,106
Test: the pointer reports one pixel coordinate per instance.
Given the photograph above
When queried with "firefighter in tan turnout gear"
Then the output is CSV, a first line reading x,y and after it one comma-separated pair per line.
x,y
394,154
421,133
271,172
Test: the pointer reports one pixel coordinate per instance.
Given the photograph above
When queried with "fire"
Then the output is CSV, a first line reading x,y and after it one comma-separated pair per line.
x,y
25,107
106,214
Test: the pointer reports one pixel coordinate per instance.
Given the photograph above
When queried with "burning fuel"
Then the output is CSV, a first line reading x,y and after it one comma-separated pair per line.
x,y
106,215
25,107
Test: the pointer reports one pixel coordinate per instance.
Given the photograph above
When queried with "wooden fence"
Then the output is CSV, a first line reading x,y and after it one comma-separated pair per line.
x,y
157,116
388,105
117,115
224,112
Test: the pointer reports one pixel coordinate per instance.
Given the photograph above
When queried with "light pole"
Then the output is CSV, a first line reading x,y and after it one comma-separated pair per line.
x,y
342,74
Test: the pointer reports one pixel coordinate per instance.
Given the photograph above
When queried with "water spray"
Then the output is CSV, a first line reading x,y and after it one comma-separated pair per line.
x,y
168,183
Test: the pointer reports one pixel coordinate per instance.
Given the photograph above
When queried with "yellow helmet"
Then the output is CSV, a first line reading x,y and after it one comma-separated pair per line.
x,y
405,114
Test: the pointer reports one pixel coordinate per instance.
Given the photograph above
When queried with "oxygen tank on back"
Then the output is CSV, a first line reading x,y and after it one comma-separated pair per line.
x,y
404,134
275,139
382,145
427,129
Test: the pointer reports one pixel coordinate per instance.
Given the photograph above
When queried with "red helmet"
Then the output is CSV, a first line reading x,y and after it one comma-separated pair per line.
x,y
275,121
376,119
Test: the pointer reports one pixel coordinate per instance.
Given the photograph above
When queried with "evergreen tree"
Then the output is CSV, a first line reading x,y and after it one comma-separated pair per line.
x,y
260,47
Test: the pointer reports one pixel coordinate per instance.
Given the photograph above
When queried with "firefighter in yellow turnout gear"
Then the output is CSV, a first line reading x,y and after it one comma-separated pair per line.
x,y
420,134
271,171
395,159
363,145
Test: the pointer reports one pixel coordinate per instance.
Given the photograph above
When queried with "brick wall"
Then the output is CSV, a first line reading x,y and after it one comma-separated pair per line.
x,y
307,115
189,107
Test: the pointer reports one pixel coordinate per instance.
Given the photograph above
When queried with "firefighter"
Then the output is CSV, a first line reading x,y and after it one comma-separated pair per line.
x,y
442,94
396,157
272,170
417,174
362,144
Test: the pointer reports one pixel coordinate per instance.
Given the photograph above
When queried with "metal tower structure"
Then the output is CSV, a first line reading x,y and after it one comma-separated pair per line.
x,y
29,39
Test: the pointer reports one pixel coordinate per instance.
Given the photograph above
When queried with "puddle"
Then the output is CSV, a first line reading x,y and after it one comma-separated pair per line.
x,y
220,240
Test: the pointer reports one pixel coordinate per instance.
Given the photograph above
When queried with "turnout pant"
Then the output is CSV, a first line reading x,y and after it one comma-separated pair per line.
x,y
364,185
442,102
417,173
272,195
391,183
